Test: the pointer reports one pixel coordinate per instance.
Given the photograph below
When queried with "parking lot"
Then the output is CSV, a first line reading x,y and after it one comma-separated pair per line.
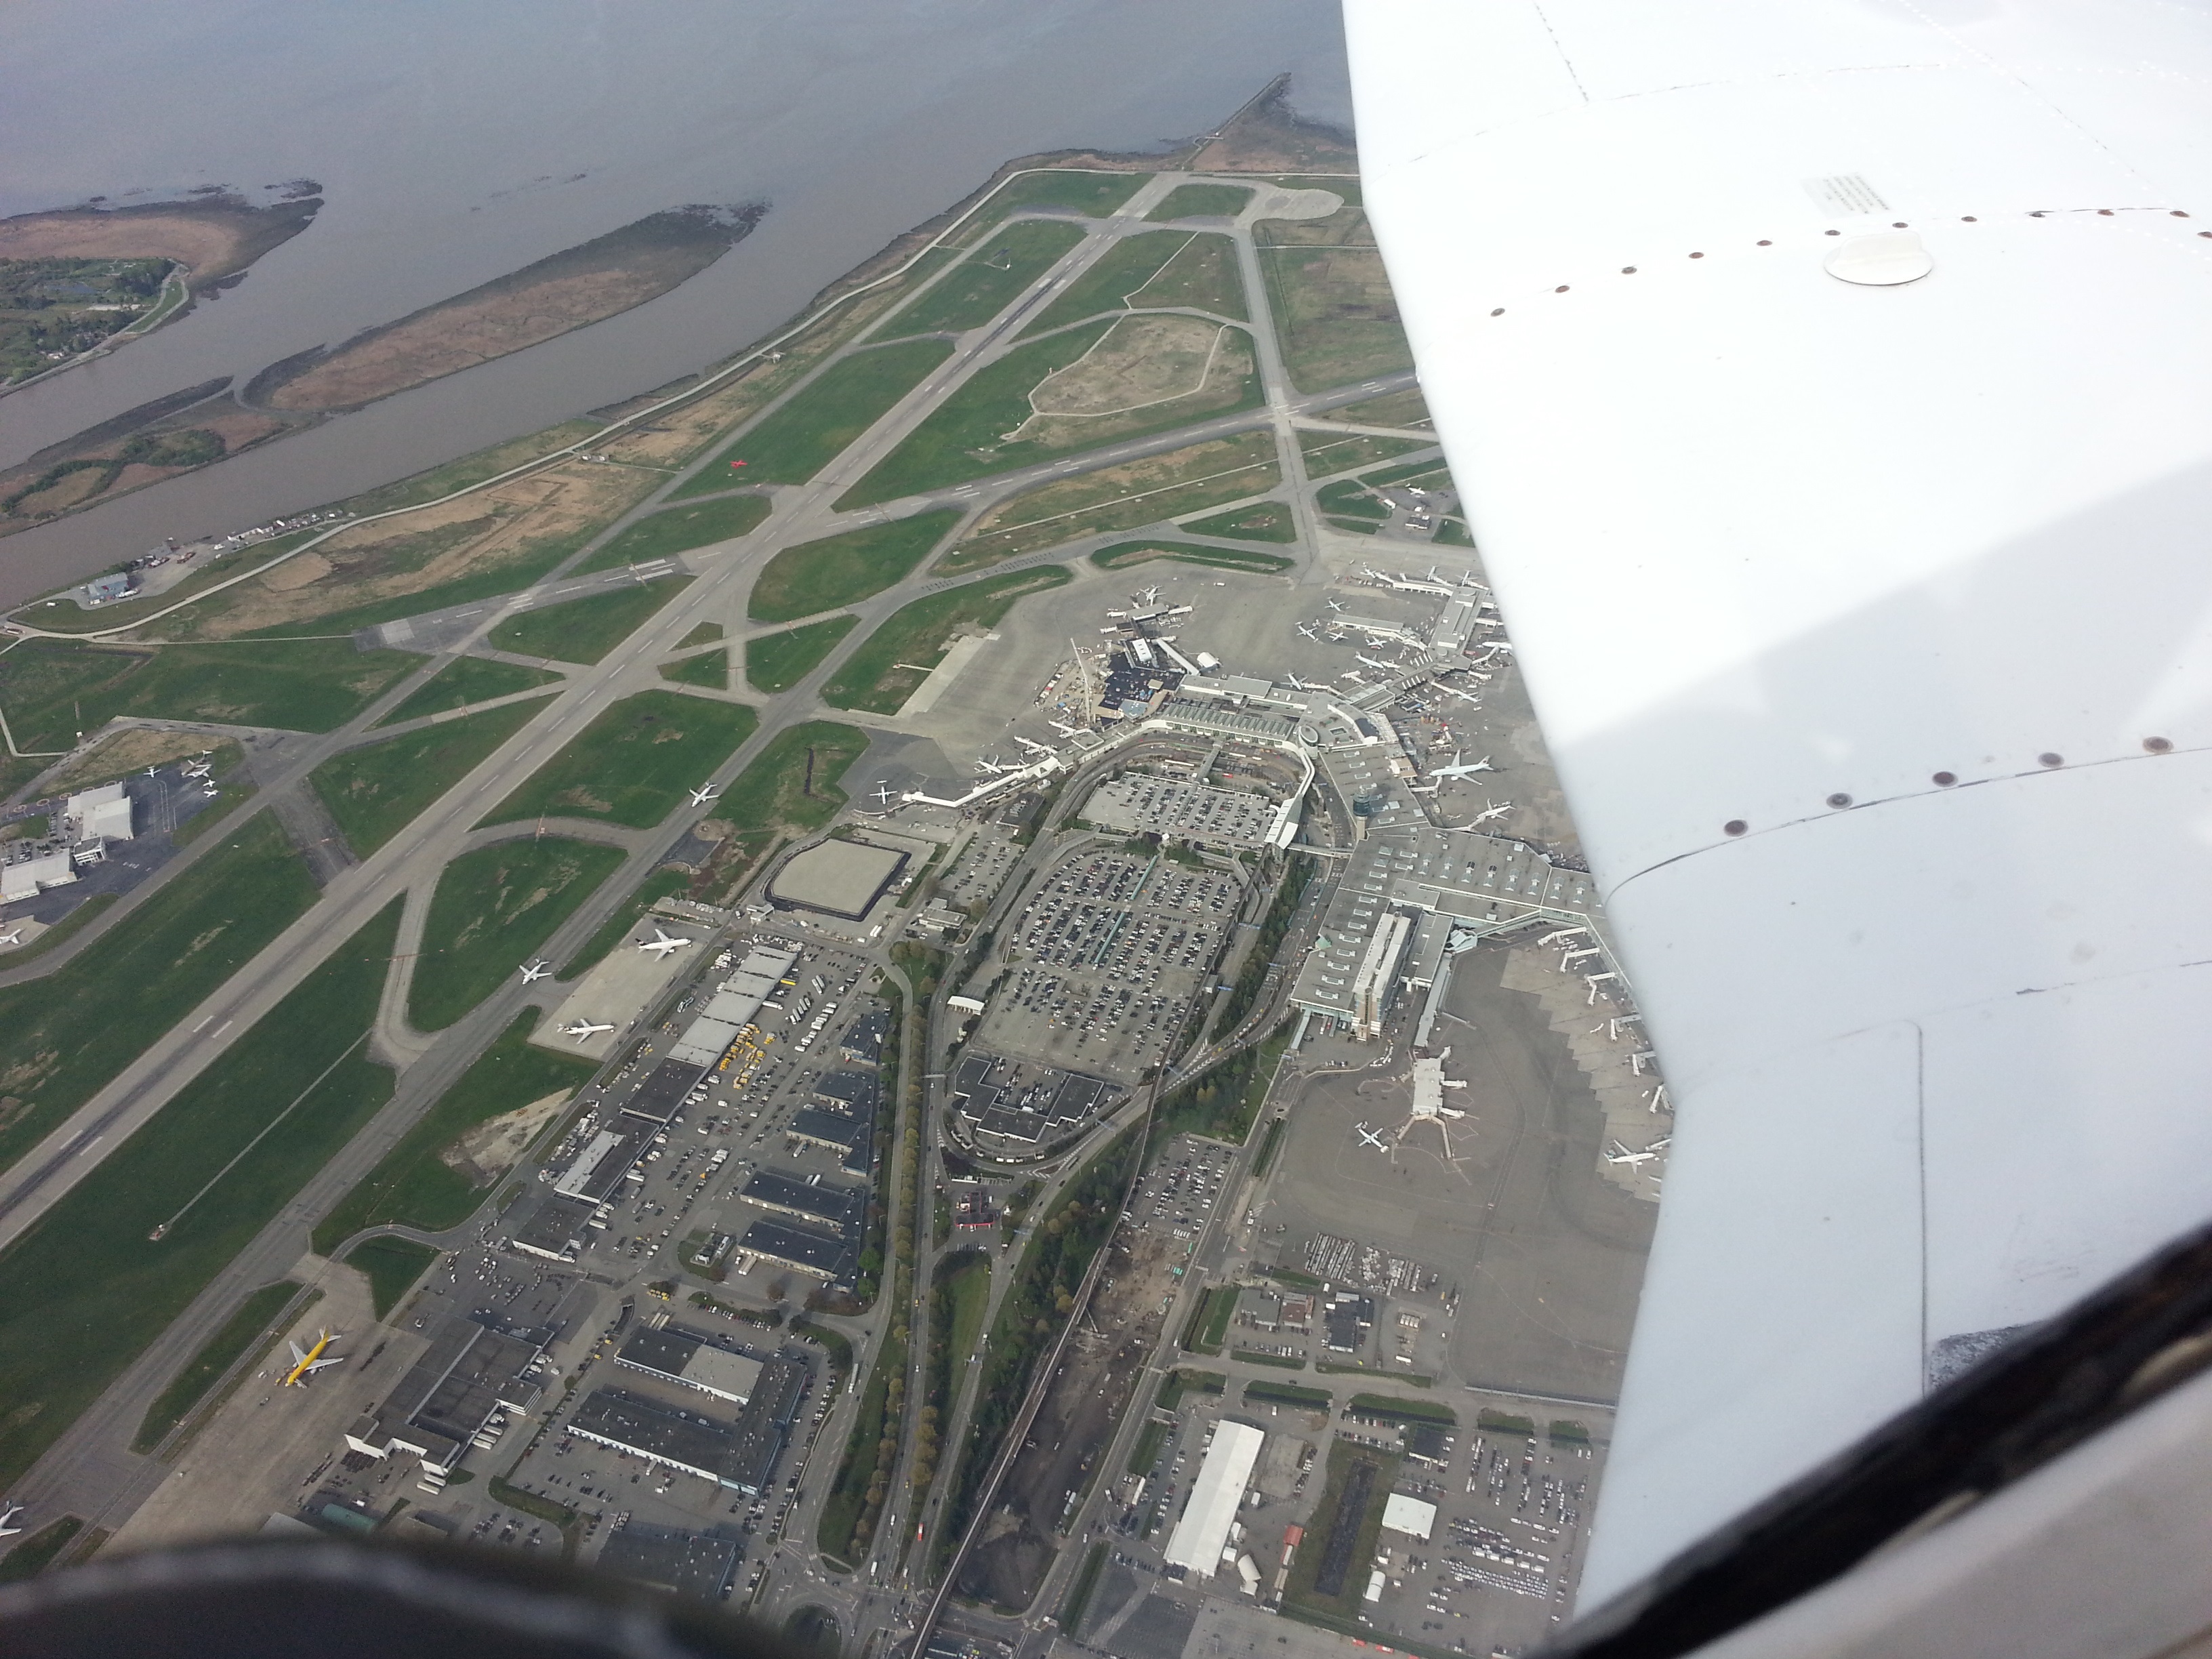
x,y
1174,1197
1105,958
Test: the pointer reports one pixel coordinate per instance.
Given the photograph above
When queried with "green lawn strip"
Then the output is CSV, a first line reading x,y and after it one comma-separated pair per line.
x,y
1354,527
839,570
52,691
376,791
633,764
660,884
1187,1380
1203,202
1124,554
1363,1529
64,1036
1496,1422
468,680
1162,268
1036,1305
1280,1361
255,1325
1270,1144
392,1265
702,635
798,439
897,657
1080,1593
85,1289
584,631
710,669
863,1480
1402,409
1282,909
1264,521
1340,451
1146,1451
679,529
965,437
773,788
1297,1277
1385,1408
1349,498
1390,475
1337,184
776,662
1566,1431
1209,1319
413,1185
36,1552
959,1291
492,910
1288,1394
1454,532
1411,1379
984,283
530,1503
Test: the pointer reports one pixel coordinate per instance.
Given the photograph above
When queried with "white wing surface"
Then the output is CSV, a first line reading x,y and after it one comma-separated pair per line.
x,y
1870,624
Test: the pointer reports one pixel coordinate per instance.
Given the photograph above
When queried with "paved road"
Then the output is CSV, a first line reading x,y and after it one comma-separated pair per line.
x,y
89,1471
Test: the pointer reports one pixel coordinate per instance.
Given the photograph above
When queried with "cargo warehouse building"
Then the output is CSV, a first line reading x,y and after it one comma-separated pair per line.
x,y
740,1456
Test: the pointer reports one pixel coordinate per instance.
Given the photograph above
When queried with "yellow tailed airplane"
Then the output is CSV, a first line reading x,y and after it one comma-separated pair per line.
x,y
305,1365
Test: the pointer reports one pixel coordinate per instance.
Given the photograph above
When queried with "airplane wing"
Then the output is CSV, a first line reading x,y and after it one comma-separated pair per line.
x,y
299,1355
1879,671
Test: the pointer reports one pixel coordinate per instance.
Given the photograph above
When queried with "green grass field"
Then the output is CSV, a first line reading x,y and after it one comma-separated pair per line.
x,y
660,884
679,529
468,680
1161,268
61,1039
1122,554
710,669
375,791
776,662
1203,202
877,677
392,1265
52,691
584,631
1349,498
804,436
965,437
1429,474
85,1289
1364,1525
772,789
40,1550
1095,193
492,910
254,1325
839,570
1334,313
982,285
531,562
1328,452
1209,1321
1268,521
413,1185
633,764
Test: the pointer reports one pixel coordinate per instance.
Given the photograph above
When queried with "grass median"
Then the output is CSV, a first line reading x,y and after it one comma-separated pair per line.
x,y
1165,268
584,631
634,763
87,1287
839,570
776,662
492,910
676,530
392,1265
798,439
467,680
984,283
376,791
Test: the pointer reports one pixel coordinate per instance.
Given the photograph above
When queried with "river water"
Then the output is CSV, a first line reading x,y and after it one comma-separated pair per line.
x,y
457,143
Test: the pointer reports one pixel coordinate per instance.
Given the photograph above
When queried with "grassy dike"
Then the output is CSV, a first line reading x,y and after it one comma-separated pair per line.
x,y
85,1290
